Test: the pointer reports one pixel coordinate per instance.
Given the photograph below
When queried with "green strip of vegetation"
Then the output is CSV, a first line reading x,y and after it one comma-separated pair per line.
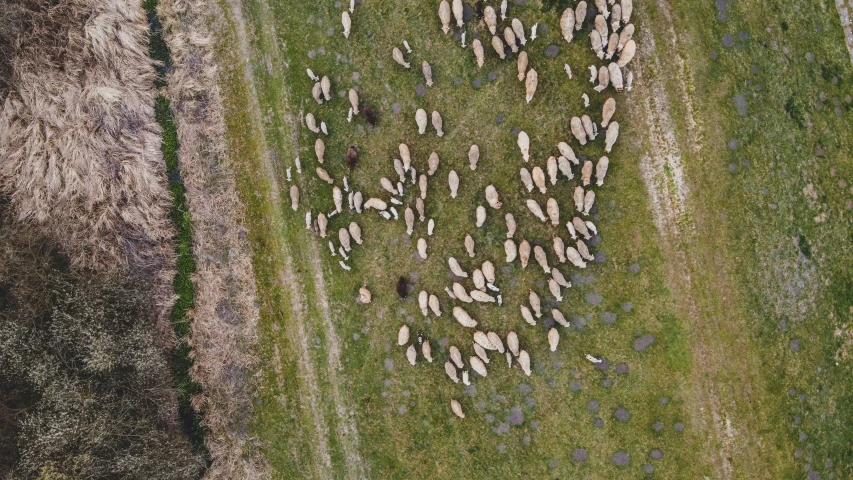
x,y
180,360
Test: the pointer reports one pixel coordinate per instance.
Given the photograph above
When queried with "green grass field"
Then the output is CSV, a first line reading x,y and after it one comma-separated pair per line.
x,y
744,272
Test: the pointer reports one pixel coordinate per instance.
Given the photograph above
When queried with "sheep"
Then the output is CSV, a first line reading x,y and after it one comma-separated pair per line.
x,y
522,65
480,215
530,84
503,9
397,55
588,200
553,211
574,257
491,19
536,210
571,229
358,201
539,179
596,42
509,36
450,370
344,238
388,185
479,280
518,29
601,170
628,52
308,223
526,179
421,120
559,278
463,318
580,15
461,294
482,339
625,37
317,93
527,315
473,156
583,250
541,258
627,9
403,335
482,297
593,74
364,295
346,21
376,204
615,17
553,339
498,45
580,226
554,288
337,198
607,111
322,223
578,130
479,54
320,150
524,357
422,185
586,173
411,354
326,87
369,114
612,135
603,79
469,245
481,353
422,248
615,76
510,250
433,163
560,318
564,167
455,268
465,379
311,123
591,227
578,198
457,12
533,31
568,70
444,16
437,124
478,366
524,253
294,197
453,182
419,206
566,151
402,287
427,71
492,197
434,305
629,81
612,44
510,225
601,27
344,265
552,168
560,249
409,217
588,127
423,298
567,24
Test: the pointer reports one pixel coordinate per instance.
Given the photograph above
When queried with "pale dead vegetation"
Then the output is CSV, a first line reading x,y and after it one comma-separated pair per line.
x,y
225,319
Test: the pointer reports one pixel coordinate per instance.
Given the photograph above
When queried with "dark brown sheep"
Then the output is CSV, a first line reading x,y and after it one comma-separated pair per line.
x,y
402,287
369,114
352,156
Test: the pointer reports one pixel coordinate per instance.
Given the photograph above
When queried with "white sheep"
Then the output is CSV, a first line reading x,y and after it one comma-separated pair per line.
x,y
612,44
430,227
510,250
322,223
344,238
522,65
456,357
346,21
588,200
479,54
403,335
450,370
460,293
437,124
541,258
524,253
536,210
397,55
357,201
574,257
411,354
388,185
426,351
422,185
376,204
311,123
491,19
433,163
463,318
419,206
560,318
578,130
593,74
527,315
457,409
615,76
317,93
421,120
320,150
615,17
580,15
294,197
568,70
457,12
469,245
603,79
612,135
586,173
558,277
444,16
453,183
326,87
580,226
481,353
526,179
510,225
503,9
597,43
553,210
530,84
588,127
552,168
628,52
364,295
578,198
509,37
427,71
539,179
565,167
473,156
455,268
481,215
524,357
434,305
479,280
482,339
498,45
523,142
518,29
465,379
567,24
629,81
533,31
409,217
559,249
324,175
338,199
625,37
311,75
422,248
308,223
553,339
583,250
627,9
591,227
601,27
478,366
601,170
492,197
554,288
423,299
607,112
566,151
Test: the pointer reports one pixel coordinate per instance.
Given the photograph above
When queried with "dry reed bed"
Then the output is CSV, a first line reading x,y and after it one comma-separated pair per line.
x,y
224,326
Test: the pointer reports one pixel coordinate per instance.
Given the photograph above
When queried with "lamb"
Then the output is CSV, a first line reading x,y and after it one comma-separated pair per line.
x,y
524,357
567,24
526,179
588,127
593,74
430,227
324,175
553,211
601,170
530,84
480,215
357,201
554,288
527,315
615,76
536,210
294,197
311,75
568,70
628,52
578,198
422,248
578,130
450,370
411,354
539,179
456,269
588,200
311,123
503,9
558,277
625,37
612,135
426,351
433,163
444,16
491,19
478,366
541,258
533,31
337,198
319,149
575,257
317,93
524,253
322,223
522,65
523,142
409,217
376,204
481,353
492,197
403,335
607,112
580,226
463,318
560,318
583,250
397,55
453,182
510,250
364,295
560,249
434,305
566,151
479,280
509,36
427,71
629,81
346,21
480,338
457,12
421,120
586,173
551,166
344,238
423,298
510,225
422,185
518,29
498,45
627,9
308,223
553,339
437,124
580,14
473,156
479,54
465,378
461,294
469,245
564,167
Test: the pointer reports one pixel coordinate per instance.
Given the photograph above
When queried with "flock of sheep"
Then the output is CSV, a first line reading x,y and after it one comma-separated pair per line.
x,y
611,40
